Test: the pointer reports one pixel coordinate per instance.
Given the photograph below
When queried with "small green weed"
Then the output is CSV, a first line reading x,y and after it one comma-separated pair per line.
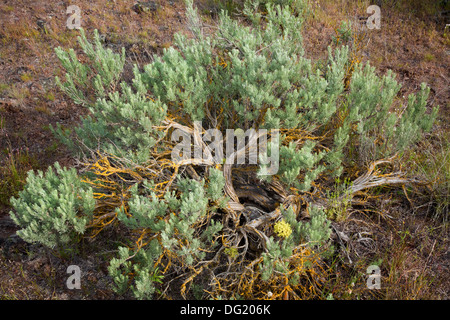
x,y
26,77
428,57
339,201
13,172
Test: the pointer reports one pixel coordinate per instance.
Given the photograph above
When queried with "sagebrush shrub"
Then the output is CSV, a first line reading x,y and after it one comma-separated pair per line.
x,y
54,207
243,232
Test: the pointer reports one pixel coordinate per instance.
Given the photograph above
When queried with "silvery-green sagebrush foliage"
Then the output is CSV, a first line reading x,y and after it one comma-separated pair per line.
x,y
121,116
147,211
252,75
53,208
314,233
267,83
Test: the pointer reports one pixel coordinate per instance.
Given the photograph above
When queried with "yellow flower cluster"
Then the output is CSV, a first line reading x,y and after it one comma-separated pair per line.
x,y
282,229
232,252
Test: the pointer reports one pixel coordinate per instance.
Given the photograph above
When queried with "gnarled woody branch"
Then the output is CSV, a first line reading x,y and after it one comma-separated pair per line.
x,y
207,159
371,179
229,189
368,180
